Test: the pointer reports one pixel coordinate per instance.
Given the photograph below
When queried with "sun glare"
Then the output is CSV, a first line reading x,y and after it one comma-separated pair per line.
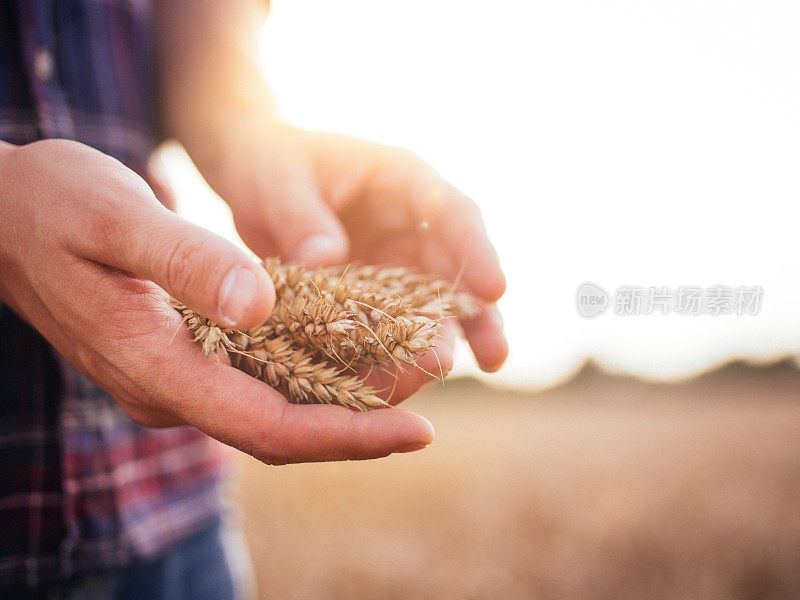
x,y
617,143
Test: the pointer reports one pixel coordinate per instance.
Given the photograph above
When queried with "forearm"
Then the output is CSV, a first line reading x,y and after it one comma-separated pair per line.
x,y
209,71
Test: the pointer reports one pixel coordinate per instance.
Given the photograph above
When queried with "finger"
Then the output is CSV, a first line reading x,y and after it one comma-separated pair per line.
x,y
395,384
436,260
247,414
444,212
457,221
200,268
485,336
301,223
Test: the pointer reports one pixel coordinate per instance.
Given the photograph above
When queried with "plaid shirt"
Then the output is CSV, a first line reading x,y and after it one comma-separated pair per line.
x,y
82,487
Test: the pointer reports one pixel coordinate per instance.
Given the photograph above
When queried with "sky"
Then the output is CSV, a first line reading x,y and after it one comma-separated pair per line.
x,y
634,143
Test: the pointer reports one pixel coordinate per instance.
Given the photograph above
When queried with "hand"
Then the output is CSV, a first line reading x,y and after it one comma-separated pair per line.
x,y
320,198
83,243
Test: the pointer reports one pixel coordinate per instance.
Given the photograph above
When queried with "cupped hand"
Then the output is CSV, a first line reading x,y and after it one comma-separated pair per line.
x,y
88,256
320,199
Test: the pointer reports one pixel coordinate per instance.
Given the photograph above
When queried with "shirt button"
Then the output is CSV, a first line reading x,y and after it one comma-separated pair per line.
x,y
43,65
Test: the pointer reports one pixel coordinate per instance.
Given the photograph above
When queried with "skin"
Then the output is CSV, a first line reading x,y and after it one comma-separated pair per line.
x,y
89,260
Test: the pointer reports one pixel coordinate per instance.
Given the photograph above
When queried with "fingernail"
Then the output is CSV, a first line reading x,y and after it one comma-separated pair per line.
x,y
410,448
236,294
318,249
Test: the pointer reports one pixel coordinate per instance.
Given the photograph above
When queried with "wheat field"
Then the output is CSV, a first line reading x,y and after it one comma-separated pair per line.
x,y
604,488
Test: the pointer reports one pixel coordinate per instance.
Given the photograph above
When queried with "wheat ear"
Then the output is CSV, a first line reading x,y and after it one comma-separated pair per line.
x,y
279,363
362,315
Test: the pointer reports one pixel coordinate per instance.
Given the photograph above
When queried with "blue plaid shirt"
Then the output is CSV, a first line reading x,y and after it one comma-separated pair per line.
x,y
82,487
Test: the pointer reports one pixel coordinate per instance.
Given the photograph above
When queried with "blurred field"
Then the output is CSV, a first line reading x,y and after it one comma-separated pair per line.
x,y
603,488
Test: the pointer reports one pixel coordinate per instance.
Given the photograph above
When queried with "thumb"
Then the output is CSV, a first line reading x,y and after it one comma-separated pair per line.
x,y
199,268
301,223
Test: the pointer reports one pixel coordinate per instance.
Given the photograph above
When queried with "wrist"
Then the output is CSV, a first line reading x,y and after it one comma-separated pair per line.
x,y
199,111
218,143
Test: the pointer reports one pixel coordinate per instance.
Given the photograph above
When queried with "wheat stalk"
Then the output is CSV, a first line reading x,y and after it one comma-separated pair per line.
x,y
327,320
